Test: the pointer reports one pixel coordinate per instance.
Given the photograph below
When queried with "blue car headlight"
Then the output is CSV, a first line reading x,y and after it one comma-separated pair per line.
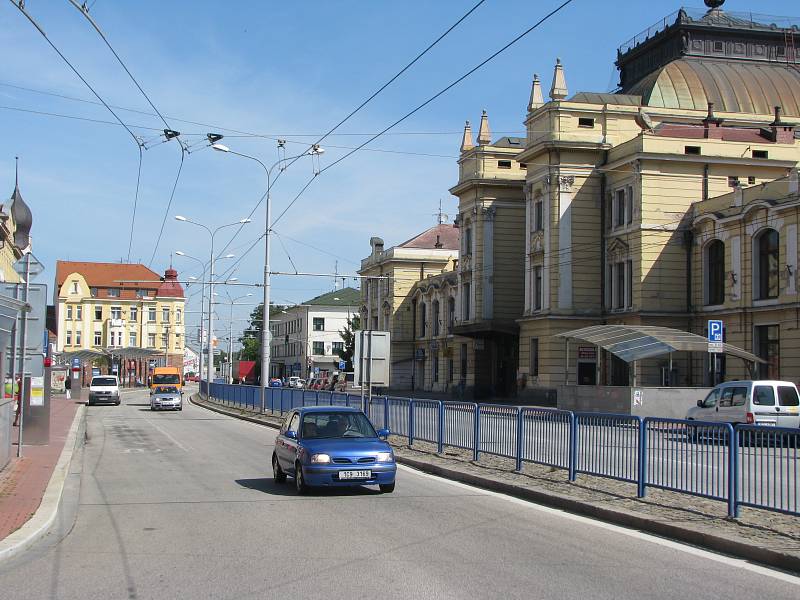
x,y
320,459
384,457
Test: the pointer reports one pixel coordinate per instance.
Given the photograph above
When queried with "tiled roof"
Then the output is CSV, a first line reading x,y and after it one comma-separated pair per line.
x,y
446,234
170,288
99,274
344,297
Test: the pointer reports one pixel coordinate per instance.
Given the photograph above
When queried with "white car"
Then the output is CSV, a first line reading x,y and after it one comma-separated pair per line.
x,y
104,388
771,403
297,382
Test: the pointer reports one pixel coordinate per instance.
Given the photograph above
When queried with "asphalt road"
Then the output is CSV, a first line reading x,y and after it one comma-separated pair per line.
x,y
182,505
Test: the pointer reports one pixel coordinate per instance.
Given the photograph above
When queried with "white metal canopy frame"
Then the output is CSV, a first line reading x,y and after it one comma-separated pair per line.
x,y
637,342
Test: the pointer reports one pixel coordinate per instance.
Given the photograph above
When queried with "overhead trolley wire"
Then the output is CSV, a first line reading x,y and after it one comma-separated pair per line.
x,y
431,99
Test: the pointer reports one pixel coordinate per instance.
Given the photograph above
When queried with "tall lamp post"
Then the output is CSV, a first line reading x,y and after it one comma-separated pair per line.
x,y
232,303
202,300
265,334
212,233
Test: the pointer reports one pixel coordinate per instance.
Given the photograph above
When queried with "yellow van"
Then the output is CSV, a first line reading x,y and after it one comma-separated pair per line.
x,y
166,376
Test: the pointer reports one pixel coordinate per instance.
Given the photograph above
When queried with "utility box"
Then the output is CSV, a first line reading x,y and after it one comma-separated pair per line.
x,y
371,359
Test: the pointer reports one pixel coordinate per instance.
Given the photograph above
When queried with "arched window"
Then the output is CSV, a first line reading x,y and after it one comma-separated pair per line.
x,y
715,273
435,319
451,314
766,265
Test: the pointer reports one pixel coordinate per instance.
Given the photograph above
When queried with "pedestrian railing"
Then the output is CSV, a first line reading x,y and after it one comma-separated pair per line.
x,y
746,465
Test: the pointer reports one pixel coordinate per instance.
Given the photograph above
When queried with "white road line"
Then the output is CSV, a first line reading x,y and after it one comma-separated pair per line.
x,y
171,438
727,560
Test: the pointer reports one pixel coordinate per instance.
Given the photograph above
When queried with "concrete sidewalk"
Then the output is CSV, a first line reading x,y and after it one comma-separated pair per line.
x,y
758,535
24,480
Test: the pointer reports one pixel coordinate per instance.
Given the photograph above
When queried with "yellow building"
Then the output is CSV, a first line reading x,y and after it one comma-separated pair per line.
x,y
490,272
97,310
744,272
386,296
612,180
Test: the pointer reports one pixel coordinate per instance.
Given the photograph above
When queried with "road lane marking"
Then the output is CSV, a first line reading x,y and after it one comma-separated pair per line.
x,y
167,434
727,560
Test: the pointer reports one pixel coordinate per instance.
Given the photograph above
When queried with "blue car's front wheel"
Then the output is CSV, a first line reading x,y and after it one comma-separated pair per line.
x,y
387,488
277,473
300,481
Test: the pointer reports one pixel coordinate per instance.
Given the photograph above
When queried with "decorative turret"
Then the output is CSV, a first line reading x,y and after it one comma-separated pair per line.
x,y
536,94
558,91
466,140
21,213
170,288
484,135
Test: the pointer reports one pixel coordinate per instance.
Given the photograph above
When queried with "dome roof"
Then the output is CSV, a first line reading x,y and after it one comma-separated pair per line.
x,y
23,219
732,85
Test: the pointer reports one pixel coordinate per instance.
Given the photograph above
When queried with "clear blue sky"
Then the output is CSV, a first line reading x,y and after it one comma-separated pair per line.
x,y
280,69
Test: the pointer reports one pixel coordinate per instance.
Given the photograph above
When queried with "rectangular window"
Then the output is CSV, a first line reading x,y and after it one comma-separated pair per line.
x,y
629,205
503,164
423,320
319,324
165,315
760,154
132,339
463,362
116,312
733,180
338,347
178,315
79,312
534,357
436,318
468,241
466,294
318,348
98,313
538,291
751,180
141,293
768,348
538,221
113,292
151,314
435,359
177,341
451,314
164,340
151,340
98,338
620,208
69,312
93,292
78,337
450,370
68,336
691,149
619,285
629,283
74,289
586,122
134,314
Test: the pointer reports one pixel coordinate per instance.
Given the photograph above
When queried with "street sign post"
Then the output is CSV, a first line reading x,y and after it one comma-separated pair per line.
x,y
716,331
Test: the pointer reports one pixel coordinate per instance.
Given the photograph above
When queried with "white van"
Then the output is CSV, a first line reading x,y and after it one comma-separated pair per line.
x,y
104,388
771,403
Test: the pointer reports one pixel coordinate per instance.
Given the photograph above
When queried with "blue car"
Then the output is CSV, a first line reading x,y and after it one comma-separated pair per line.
x,y
331,446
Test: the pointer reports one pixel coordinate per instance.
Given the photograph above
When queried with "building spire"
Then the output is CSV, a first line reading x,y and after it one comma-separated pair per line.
x,y
558,91
536,94
16,172
466,140
484,135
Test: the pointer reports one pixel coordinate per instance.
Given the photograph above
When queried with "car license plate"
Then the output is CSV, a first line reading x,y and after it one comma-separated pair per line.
x,y
355,474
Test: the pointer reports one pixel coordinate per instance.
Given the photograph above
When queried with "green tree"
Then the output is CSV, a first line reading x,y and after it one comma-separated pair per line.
x,y
251,340
349,338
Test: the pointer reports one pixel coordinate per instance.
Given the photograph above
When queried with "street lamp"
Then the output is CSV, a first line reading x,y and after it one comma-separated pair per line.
x,y
211,233
204,264
265,350
232,303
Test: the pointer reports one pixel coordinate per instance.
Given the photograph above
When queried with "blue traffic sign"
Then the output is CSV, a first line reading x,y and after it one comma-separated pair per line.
x,y
76,363
342,365
715,330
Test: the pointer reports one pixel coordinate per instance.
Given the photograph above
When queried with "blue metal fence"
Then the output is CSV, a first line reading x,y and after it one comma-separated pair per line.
x,y
748,465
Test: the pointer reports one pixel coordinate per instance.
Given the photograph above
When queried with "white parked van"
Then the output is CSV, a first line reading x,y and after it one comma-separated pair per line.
x,y
104,388
772,403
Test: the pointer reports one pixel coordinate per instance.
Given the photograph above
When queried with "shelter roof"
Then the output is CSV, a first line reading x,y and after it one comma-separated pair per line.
x,y
637,342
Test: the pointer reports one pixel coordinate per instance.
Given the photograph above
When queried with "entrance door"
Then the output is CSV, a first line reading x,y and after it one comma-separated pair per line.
x,y
587,373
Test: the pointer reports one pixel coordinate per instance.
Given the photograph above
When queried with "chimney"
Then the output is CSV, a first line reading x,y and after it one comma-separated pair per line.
x,y
377,245
438,243
536,94
484,135
712,125
782,133
558,91
466,140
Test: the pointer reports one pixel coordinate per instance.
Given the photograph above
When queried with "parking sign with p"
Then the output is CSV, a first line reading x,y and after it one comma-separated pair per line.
x,y
715,331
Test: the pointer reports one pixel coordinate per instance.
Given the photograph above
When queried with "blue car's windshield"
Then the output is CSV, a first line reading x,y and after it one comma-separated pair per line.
x,y
320,425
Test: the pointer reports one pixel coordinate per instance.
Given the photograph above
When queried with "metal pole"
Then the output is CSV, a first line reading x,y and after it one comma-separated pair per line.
x,y
265,349
369,369
230,346
361,371
23,337
209,349
202,324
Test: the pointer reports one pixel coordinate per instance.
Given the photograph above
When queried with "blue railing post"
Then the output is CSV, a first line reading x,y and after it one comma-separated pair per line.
x,y
386,412
410,421
519,438
642,474
476,433
573,446
440,432
733,472
281,395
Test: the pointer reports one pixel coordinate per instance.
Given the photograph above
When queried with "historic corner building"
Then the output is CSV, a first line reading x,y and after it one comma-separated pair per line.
x,y
123,310
669,202
622,225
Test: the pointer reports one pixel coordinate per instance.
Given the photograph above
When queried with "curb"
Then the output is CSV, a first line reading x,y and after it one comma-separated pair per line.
x,y
709,541
39,524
